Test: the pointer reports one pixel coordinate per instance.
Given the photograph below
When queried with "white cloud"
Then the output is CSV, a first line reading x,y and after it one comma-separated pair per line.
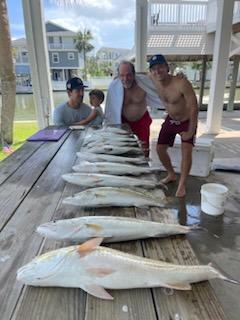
x,y
107,19
107,4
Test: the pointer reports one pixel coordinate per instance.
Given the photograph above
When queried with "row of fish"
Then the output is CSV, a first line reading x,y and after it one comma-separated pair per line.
x,y
94,268
107,175
114,142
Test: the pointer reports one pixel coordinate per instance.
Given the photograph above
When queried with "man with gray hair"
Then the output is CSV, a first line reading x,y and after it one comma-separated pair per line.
x,y
127,100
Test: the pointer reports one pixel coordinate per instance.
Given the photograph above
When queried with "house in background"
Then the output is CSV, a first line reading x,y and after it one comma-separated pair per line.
x,y
110,57
22,67
64,59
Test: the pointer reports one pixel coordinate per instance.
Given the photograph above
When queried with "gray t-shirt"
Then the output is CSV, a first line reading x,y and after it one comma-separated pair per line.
x,y
64,115
99,119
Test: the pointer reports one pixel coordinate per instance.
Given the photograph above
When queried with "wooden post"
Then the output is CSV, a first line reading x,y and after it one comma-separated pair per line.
x,y
219,67
141,32
39,60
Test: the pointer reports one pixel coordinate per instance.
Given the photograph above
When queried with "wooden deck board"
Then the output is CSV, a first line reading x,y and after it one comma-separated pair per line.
x,y
19,242
73,305
127,304
199,303
16,188
9,165
42,201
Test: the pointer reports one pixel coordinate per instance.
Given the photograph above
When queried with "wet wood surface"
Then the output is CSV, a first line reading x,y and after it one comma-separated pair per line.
x,y
31,193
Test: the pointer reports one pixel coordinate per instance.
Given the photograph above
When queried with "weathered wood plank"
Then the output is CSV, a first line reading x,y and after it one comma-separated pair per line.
x,y
16,188
10,164
199,303
127,304
18,241
61,303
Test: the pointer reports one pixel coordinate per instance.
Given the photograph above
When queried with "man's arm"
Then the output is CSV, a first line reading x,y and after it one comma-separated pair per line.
x,y
191,101
89,118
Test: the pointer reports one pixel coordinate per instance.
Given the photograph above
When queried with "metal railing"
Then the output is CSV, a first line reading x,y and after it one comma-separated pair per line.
x,y
212,14
185,14
61,46
236,11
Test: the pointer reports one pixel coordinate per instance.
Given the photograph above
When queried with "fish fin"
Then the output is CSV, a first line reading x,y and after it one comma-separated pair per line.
x,y
89,246
94,226
100,272
179,286
222,275
98,291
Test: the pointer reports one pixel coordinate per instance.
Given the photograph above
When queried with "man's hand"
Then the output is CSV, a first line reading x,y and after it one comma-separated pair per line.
x,y
186,135
181,75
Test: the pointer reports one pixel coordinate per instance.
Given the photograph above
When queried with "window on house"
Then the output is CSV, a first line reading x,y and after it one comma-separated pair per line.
x,y
70,55
55,57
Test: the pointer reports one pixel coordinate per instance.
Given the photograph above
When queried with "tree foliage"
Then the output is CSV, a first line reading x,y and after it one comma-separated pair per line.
x,y
84,46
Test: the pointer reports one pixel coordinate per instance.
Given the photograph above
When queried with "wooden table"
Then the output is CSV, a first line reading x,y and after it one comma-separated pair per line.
x,y
31,193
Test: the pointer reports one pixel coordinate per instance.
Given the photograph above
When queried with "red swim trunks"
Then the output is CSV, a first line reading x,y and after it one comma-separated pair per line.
x,y
141,128
169,130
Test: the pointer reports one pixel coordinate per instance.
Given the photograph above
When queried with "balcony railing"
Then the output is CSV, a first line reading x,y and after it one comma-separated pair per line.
x,y
178,14
236,12
212,14
61,46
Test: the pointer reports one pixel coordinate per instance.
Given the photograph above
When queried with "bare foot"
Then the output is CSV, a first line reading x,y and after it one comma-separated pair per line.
x,y
181,192
169,178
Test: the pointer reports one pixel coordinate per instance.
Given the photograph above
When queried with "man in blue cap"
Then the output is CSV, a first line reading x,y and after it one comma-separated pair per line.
x,y
74,110
180,102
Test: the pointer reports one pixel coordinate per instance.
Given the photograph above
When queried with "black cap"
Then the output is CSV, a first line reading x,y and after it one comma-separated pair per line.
x,y
74,83
157,59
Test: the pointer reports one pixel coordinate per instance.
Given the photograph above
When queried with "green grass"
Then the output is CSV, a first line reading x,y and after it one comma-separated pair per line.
x,y
22,130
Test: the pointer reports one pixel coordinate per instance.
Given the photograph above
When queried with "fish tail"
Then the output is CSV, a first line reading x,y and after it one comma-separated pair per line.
x,y
162,186
195,227
223,275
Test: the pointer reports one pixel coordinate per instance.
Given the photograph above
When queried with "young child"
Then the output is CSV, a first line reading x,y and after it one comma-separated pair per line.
x,y
96,97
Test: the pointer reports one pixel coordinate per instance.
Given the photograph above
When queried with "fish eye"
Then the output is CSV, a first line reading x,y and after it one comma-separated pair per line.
x,y
54,221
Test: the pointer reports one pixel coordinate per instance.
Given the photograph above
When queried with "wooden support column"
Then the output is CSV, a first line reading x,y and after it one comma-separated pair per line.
x,y
141,34
39,60
220,62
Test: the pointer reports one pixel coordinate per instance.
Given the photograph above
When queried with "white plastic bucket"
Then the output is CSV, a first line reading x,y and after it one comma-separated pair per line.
x,y
213,197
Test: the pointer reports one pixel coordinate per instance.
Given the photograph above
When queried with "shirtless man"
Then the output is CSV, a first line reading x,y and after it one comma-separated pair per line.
x,y
181,105
134,111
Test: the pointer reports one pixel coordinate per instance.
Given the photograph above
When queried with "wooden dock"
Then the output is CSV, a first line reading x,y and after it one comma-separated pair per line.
x,y
31,193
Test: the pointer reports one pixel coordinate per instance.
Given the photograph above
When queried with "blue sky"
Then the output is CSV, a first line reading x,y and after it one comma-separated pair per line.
x,y
111,21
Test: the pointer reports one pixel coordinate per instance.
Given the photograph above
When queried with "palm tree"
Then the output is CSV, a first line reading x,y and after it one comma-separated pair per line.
x,y
84,46
8,81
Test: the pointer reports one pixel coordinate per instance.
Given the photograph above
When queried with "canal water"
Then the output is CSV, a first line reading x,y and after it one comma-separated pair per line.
x,y
25,108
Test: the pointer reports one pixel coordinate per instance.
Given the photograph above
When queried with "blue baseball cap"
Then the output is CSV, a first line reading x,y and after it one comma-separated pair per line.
x,y
157,59
75,83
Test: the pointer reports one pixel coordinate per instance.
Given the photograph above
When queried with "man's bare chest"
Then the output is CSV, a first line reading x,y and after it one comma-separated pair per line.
x,y
136,96
170,95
